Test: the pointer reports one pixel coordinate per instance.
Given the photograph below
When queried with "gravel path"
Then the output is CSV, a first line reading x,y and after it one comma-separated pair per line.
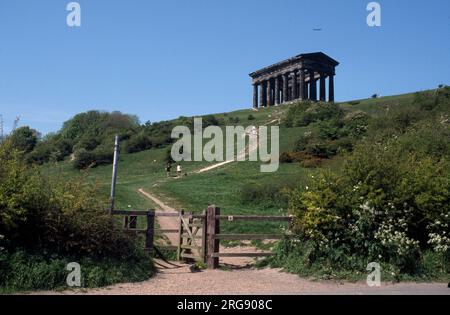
x,y
178,279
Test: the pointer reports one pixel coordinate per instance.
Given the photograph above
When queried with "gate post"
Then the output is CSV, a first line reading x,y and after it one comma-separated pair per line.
x,y
180,234
204,237
213,228
150,231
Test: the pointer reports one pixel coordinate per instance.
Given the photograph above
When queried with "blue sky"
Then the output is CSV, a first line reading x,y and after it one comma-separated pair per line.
x,y
163,59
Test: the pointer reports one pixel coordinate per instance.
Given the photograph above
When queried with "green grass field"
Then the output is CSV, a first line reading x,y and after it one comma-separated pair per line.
x,y
221,186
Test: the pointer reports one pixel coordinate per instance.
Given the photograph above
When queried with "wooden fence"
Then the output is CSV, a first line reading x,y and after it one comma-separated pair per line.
x,y
199,234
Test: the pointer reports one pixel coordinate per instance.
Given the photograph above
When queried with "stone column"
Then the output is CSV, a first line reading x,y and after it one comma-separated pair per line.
x,y
277,91
331,88
255,95
323,97
302,85
294,86
269,92
306,91
312,86
285,87
262,99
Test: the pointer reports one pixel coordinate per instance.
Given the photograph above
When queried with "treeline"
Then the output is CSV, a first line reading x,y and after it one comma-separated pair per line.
x,y
88,138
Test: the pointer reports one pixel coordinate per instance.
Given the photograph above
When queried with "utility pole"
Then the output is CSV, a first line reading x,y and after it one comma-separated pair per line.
x,y
114,174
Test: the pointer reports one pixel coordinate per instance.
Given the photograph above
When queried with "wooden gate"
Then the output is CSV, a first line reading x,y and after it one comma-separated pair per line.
x,y
199,234
192,237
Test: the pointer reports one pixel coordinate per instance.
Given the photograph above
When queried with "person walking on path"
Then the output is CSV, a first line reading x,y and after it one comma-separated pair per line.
x,y
168,168
179,170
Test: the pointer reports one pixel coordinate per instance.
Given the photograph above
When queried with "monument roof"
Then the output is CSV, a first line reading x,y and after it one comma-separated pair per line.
x,y
316,56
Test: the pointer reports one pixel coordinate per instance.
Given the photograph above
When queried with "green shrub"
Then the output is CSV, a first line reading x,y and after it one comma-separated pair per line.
x,y
266,194
285,157
83,159
321,149
302,142
389,203
22,271
24,139
60,220
251,117
329,129
233,120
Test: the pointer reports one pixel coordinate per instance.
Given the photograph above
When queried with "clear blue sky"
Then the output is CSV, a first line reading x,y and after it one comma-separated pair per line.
x,y
162,59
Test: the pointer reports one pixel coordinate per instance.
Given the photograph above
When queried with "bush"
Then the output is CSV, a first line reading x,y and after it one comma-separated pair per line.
x,y
385,205
57,219
86,159
22,271
302,142
24,139
83,159
233,120
305,113
267,195
329,129
286,157
251,117
321,149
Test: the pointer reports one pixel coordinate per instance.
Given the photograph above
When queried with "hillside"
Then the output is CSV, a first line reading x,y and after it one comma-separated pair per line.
x,y
236,187
364,181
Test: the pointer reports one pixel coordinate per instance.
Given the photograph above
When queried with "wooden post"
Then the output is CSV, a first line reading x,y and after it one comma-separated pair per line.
x,y
190,241
150,231
114,175
180,235
204,237
213,228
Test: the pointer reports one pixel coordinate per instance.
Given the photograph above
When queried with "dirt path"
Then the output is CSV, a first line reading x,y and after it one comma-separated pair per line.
x,y
178,279
168,223
240,155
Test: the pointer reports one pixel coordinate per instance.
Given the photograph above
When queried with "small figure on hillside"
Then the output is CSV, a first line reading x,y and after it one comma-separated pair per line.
x,y
168,168
179,170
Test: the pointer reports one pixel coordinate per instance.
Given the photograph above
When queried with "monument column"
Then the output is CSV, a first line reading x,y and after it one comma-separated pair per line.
x,y
294,86
262,99
323,97
312,86
331,88
285,87
277,91
302,85
255,95
269,92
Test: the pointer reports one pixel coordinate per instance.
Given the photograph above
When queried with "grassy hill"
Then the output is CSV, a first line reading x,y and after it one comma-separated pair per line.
x,y
227,186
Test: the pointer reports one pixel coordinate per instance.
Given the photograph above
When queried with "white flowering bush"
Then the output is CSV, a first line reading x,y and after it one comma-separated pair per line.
x,y
394,239
438,237
384,205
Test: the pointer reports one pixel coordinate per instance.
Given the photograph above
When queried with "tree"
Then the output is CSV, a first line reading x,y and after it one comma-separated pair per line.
x,y
24,139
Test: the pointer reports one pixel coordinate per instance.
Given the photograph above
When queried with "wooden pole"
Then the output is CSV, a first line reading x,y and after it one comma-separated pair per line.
x,y
213,228
114,175
180,235
204,237
150,231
